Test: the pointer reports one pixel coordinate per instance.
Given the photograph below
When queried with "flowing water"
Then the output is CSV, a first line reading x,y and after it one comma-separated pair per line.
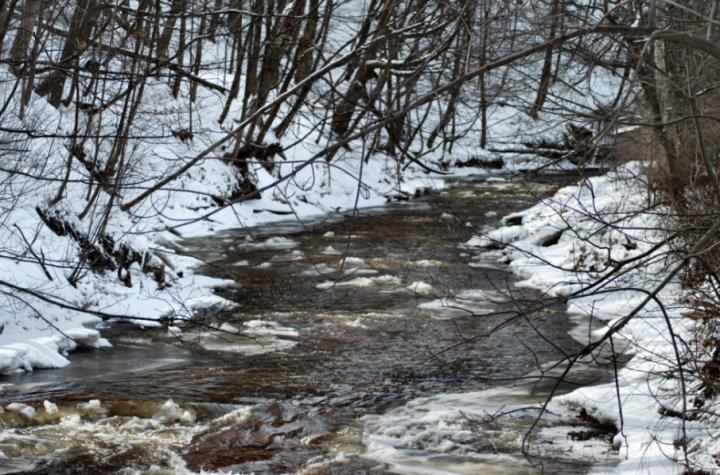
x,y
357,346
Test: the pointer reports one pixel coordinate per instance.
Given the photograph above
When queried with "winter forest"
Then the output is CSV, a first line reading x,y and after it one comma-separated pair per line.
x,y
359,236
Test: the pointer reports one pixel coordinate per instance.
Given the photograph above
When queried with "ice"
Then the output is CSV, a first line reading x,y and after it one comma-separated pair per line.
x,y
425,263
352,262
420,288
94,406
319,270
381,280
254,337
266,327
482,295
272,243
23,409
446,308
50,408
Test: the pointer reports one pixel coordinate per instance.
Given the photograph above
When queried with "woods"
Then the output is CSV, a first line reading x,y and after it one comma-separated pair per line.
x,y
130,126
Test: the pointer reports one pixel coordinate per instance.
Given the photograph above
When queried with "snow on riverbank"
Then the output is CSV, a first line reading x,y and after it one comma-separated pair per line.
x,y
39,323
40,329
49,304
562,246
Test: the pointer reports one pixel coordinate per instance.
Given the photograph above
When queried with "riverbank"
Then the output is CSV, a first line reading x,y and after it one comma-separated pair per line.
x,y
73,315
302,353
564,246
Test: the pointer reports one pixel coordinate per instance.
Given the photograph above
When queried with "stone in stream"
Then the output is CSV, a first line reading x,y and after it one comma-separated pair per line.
x,y
248,439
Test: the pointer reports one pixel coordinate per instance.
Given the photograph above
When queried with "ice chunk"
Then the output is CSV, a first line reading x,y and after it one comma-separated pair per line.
x,y
23,409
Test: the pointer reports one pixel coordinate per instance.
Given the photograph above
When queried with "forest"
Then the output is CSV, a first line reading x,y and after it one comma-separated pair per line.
x,y
359,236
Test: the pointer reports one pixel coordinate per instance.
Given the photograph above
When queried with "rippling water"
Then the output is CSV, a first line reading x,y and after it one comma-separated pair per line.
x,y
356,347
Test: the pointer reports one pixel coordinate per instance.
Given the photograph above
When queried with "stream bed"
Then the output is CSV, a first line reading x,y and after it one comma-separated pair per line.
x,y
359,344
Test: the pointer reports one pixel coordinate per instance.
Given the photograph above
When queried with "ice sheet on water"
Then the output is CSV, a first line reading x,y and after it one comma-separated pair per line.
x,y
350,262
275,243
318,270
483,295
421,288
447,308
381,280
425,263
253,337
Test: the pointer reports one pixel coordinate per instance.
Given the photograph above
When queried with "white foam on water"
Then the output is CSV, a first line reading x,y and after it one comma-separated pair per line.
x,y
475,432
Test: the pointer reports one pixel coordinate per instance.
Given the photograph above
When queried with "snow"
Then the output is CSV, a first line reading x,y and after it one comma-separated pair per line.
x,y
186,209
414,437
23,409
381,280
421,288
587,249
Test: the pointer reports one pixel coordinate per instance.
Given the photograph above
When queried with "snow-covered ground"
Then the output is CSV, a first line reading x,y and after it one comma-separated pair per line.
x,y
39,319
602,247
39,325
39,330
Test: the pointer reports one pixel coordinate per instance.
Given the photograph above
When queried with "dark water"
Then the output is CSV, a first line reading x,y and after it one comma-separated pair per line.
x,y
343,342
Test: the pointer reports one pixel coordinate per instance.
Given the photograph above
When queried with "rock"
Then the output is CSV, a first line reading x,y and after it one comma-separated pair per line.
x,y
22,409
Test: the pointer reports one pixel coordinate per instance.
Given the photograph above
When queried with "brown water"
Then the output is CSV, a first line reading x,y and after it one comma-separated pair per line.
x,y
311,348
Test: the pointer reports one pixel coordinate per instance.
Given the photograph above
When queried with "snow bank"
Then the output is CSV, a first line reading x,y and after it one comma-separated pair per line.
x,y
569,241
36,333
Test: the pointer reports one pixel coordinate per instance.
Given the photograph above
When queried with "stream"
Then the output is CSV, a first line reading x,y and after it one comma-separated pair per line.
x,y
358,345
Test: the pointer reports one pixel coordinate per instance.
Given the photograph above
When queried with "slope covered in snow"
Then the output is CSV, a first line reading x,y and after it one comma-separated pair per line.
x,y
601,245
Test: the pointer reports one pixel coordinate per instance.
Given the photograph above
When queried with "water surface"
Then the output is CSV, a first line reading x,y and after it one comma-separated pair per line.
x,y
345,327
